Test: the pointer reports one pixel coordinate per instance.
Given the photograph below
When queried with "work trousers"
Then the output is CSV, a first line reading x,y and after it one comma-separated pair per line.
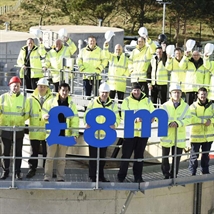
x,y
60,164
159,91
130,145
193,162
35,149
93,163
6,148
120,96
88,86
165,166
31,83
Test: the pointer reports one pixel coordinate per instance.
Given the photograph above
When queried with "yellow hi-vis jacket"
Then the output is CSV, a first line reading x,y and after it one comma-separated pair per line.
x,y
182,116
200,114
14,110
209,65
72,46
35,118
91,61
177,75
54,61
139,61
159,72
130,103
35,60
195,77
72,122
117,72
96,103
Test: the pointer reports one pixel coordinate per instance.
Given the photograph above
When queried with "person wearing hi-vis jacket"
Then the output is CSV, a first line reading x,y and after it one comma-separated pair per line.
x,y
91,60
179,117
102,101
201,134
136,101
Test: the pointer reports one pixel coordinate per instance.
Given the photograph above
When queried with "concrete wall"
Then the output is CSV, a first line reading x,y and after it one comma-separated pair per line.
x,y
175,200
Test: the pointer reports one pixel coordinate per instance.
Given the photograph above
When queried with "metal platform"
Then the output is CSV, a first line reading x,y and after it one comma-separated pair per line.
x,y
77,179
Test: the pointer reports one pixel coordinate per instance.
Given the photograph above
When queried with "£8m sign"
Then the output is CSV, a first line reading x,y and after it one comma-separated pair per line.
x,y
92,136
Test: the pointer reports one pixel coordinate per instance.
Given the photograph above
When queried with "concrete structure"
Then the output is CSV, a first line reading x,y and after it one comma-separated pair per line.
x,y
174,200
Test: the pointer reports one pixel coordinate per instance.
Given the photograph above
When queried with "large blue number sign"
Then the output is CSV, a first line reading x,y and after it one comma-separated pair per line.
x,y
92,135
95,128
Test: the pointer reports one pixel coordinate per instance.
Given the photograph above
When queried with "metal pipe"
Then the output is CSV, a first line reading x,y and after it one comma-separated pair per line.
x,y
14,157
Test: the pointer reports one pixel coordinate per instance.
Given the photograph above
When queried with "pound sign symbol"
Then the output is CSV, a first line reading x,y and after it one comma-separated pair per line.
x,y
55,126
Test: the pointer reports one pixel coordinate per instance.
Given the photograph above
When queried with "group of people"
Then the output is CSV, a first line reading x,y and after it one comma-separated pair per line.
x,y
149,68
16,109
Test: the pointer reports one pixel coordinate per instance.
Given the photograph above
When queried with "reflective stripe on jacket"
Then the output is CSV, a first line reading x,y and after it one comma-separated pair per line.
x,y
36,115
209,65
177,75
117,72
159,72
54,60
91,61
139,61
182,116
14,110
200,114
195,78
130,103
35,61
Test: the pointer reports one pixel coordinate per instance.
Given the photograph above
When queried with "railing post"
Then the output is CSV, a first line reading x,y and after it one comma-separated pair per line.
x,y
175,156
14,157
98,163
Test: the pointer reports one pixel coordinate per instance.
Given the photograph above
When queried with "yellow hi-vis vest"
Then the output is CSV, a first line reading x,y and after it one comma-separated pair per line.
x,y
91,61
35,60
54,61
139,61
72,122
35,118
209,65
96,103
195,78
130,103
14,110
117,72
159,73
200,114
182,116
72,46
177,75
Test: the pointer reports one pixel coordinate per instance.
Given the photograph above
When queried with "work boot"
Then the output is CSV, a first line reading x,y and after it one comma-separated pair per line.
x,y
4,175
18,176
31,173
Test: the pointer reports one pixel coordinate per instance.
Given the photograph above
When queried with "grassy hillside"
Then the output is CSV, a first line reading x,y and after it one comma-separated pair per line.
x,y
8,2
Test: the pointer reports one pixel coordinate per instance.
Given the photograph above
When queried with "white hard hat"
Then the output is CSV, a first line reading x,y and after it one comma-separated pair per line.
x,y
62,32
174,87
190,44
43,81
104,87
133,43
170,49
208,49
143,32
37,33
108,35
